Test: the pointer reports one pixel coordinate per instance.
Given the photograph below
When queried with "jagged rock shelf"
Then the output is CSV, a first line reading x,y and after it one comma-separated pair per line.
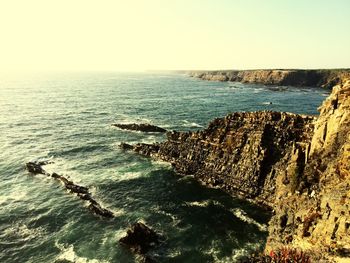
x,y
240,153
297,165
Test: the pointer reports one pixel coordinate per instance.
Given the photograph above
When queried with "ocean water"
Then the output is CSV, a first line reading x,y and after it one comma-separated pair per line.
x,y
67,117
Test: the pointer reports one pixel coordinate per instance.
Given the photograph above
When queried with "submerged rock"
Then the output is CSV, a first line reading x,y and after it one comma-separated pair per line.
x,y
139,127
126,146
140,238
35,168
98,210
81,191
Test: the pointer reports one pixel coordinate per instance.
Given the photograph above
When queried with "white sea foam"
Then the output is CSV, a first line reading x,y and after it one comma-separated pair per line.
x,y
68,254
237,254
257,90
149,139
166,125
161,163
63,167
186,123
174,253
162,212
112,237
204,203
13,196
21,231
239,213
196,203
118,212
129,175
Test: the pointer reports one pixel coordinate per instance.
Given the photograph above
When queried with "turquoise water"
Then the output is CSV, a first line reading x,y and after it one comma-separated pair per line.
x,y
66,117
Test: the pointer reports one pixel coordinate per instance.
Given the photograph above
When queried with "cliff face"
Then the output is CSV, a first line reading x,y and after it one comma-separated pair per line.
x,y
315,215
241,153
307,78
297,165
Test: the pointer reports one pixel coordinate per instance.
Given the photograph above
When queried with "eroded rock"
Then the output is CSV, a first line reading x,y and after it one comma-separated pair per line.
x,y
140,238
144,127
241,153
35,168
126,146
81,191
297,165
321,202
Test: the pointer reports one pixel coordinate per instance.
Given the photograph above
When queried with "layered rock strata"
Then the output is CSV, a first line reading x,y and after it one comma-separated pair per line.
x,y
283,77
313,213
241,153
297,165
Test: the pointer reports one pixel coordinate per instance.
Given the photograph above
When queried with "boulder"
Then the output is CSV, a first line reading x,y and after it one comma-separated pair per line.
x,y
126,146
35,168
140,238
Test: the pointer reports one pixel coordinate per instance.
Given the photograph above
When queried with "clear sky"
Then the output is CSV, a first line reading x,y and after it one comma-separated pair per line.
x,y
178,34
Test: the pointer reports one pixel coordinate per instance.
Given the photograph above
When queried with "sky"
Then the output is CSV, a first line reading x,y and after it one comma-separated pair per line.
x,y
131,35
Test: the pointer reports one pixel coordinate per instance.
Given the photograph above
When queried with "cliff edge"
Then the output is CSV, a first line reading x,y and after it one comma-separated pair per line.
x,y
315,213
241,153
297,165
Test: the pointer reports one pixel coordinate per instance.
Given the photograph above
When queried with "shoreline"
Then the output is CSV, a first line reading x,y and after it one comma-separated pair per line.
x,y
297,164
324,78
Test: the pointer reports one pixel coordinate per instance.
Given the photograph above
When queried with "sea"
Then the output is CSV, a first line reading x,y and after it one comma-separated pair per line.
x,y
66,117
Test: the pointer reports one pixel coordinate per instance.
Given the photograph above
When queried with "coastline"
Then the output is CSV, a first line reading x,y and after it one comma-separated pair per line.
x,y
325,78
296,165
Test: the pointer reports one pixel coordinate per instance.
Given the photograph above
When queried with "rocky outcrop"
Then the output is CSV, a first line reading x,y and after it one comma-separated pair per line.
x,y
139,127
297,165
126,146
140,239
241,153
313,212
36,167
283,77
81,191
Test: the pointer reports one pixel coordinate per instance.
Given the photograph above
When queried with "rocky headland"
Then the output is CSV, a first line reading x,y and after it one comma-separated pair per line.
x,y
296,165
326,78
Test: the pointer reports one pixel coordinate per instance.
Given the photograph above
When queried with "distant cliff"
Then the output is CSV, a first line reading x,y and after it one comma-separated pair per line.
x,y
326,78
297,165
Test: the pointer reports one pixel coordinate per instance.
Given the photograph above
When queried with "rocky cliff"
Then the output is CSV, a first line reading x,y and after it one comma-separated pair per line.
x,y
241,153
286,77
315,213
297,165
